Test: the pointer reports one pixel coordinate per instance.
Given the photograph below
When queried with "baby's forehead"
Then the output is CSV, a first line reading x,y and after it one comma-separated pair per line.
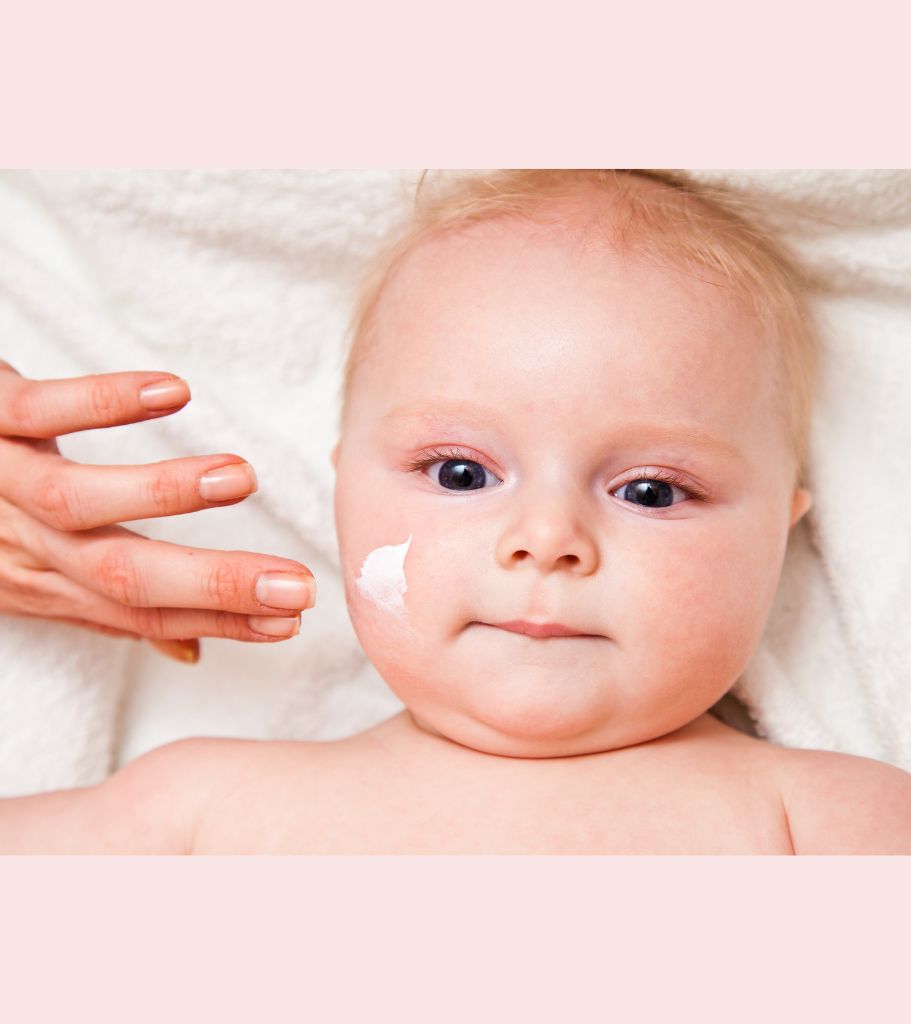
x,y
504,313
564,250
510,304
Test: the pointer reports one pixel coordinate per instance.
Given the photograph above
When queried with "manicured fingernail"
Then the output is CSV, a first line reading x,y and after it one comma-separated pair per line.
x,y
275,625
164,394
286,590
228,482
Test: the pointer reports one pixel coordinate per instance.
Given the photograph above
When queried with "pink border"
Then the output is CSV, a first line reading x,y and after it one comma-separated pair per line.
x,y
437,939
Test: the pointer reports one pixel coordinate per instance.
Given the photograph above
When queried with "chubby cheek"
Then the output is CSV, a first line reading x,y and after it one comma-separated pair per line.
x,y
408,579
706,606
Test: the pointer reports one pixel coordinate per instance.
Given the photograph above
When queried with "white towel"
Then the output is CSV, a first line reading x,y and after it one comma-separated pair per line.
x,y
834,665
239,281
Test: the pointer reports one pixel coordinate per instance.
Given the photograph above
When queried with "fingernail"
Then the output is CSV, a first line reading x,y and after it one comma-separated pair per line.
x,y
275,625
179,650
232,481
164,394
286,590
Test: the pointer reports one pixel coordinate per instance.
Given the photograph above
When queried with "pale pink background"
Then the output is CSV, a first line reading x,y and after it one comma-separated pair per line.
x,y
462,939
266,84
440,939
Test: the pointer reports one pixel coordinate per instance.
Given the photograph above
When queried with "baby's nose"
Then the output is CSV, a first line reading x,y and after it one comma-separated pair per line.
x,y
550,536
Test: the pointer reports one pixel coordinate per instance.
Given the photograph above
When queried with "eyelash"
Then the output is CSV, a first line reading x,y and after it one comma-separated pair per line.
x,y
436,455
665,475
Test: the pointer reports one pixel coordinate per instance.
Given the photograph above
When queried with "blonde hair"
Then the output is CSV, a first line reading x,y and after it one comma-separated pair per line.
x,y
660,215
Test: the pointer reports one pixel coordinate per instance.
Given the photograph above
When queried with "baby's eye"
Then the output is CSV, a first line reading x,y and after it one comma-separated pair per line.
x,y
460,474
650,492
455,474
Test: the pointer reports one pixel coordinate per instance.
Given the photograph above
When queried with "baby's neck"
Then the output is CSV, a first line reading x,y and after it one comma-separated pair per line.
x,y
408,733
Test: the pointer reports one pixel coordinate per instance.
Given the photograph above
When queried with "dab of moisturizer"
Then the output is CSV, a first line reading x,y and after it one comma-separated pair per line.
x,y
382,578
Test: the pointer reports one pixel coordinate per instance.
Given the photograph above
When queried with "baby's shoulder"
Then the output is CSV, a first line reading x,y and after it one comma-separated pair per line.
x,y
172,791
845,804
241,790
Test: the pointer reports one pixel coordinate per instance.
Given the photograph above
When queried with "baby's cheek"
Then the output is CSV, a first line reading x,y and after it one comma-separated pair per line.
x,y
409,580
391,615
381,578
711,611
376,590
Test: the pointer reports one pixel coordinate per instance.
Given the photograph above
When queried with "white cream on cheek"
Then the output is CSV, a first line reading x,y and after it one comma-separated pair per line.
x,y
382,579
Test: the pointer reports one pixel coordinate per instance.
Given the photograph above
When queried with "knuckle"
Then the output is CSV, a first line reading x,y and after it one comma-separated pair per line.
x,y
119,576
148,622
11,522
27,590
54,496
230,625
104,400
164,491
26,408
223,584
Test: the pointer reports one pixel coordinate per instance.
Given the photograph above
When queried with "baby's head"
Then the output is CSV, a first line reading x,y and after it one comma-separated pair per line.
x,y
536,343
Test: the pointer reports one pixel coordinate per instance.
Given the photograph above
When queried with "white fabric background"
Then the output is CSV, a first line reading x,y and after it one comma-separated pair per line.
x,y
239,281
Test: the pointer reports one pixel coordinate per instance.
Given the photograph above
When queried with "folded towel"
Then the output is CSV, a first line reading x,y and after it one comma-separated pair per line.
x,y
240,281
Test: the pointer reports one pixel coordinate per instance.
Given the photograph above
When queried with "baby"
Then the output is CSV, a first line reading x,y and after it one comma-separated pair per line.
x,y
573,443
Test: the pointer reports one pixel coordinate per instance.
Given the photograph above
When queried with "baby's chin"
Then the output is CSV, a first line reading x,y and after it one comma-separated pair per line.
x,y
526,730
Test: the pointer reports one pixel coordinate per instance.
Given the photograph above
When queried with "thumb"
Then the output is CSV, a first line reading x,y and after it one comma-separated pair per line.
x,y
180,650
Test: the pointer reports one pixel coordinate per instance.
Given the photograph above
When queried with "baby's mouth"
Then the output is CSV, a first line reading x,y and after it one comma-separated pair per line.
x,y
540,630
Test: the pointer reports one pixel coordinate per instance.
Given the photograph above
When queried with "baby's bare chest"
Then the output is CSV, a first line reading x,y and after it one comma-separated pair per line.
x,y
342,806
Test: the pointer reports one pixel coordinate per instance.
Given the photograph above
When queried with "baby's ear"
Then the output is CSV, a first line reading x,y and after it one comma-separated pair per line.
x,y
801,504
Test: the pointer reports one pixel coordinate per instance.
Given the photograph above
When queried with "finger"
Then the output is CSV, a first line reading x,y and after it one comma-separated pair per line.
x,y
69,496
144,573
48,408
63,595
95,627
184,623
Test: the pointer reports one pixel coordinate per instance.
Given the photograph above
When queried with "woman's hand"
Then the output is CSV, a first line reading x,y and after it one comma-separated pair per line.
x,y
63,556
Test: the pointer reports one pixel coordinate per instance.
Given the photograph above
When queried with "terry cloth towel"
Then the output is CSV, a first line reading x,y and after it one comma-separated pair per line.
x,y
240,282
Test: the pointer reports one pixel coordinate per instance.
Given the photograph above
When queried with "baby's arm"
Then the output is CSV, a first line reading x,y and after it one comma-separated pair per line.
x,y
150,806
843,804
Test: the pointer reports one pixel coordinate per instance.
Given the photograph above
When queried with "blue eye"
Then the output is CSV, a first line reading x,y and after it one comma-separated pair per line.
x,y
456,473
653,491
461,474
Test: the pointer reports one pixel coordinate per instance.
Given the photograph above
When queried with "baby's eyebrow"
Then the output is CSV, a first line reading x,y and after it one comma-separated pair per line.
x,y
451,408
685,434
627,434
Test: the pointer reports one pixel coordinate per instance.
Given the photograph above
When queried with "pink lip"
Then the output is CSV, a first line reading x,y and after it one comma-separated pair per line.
x,y
538,629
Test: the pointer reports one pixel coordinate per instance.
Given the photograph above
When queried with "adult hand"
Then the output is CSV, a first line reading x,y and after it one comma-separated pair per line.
x,y
63,556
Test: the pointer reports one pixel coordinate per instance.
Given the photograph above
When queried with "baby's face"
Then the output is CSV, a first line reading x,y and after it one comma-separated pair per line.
x,y
538,384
